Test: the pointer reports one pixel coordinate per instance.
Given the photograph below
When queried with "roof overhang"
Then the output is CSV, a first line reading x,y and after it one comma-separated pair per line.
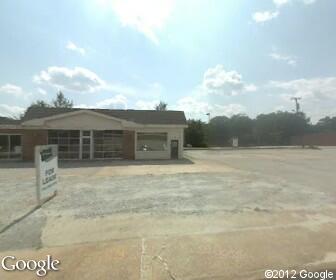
x,y
41,122
10,126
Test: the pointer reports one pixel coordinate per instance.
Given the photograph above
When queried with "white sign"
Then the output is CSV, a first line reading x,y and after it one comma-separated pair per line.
x,y
46,163
235,142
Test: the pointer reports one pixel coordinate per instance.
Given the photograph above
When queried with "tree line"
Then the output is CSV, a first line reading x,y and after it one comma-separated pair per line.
x,y
275,128
61,101
271,129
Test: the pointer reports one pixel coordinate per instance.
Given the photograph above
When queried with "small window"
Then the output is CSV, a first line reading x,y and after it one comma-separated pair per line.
x,y
86,133
151,141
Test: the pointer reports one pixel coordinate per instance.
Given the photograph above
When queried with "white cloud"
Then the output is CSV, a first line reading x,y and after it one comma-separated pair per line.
x,y
216,94
12,90
146,16
251,88
41,91
10,111
229,110
308,2
318,95
316,88
290,60
219,81
264,16
73,47
19,92
196,108
77,79
117,102
146,105
280,2
193,106
280,108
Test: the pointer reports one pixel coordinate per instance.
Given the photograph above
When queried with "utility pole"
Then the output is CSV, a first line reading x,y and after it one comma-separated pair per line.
x,y
297,104
297,108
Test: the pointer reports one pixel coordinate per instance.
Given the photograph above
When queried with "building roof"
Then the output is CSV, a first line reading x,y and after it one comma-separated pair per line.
x,y
9,121
137,116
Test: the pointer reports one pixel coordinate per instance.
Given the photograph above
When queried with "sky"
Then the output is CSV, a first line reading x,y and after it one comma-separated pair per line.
x,y
221,57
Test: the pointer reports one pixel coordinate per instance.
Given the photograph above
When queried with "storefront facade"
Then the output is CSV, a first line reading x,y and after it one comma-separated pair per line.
x,y
94,134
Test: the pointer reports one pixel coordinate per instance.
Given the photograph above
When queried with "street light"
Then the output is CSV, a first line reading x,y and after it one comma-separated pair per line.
x,y
208,114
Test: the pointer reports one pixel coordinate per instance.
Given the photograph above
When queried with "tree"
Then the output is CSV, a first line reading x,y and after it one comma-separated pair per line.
x,y
195,134
267,129
39,104
242,126
36,104
61,101
162,106
219,131
278,128
326,124
222,129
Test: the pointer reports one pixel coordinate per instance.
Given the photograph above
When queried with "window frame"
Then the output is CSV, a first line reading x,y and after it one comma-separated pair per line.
x,y
9,152
67,137
103,146
164,144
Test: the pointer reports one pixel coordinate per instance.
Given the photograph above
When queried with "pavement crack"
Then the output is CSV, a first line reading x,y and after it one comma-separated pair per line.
x,y
165,264
144,271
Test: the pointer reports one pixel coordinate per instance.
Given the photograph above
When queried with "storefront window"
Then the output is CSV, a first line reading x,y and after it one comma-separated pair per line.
x,y
10,146
151,141
4,146
107,144
67,141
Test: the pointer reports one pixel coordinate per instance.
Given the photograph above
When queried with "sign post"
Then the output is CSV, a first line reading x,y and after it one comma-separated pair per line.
x,y
46,164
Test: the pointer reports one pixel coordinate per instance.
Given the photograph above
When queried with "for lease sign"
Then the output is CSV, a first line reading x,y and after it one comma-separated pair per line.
x,y
46,164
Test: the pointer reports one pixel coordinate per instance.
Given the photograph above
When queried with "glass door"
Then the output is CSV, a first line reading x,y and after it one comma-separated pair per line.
x,y
86,144
174,149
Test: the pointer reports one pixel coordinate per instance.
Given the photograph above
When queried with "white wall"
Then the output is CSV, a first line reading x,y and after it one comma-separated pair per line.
x,y
172,134
83,121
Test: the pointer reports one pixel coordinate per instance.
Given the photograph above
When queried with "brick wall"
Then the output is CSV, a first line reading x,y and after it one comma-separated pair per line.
x,y
128,144
317,139
30,139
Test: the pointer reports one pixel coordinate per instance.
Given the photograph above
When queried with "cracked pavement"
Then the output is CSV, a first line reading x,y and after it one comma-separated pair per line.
x,y
218,215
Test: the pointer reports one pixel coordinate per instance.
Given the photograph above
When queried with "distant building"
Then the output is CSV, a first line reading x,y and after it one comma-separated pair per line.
x,y
315,139
95,134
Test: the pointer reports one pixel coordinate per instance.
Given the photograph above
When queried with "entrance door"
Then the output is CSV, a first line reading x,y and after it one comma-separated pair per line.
x,y
174,149
86,144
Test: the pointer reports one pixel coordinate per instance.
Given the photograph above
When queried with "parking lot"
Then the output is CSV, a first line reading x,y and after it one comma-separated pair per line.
x,y
218,214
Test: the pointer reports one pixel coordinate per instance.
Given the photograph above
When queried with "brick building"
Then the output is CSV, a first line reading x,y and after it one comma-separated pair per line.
x,y
94,134
315,139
